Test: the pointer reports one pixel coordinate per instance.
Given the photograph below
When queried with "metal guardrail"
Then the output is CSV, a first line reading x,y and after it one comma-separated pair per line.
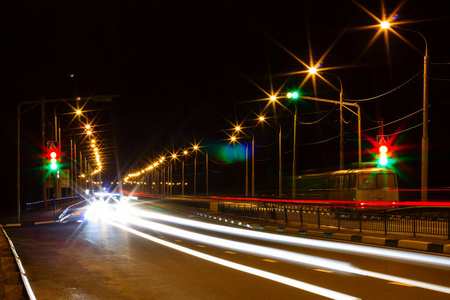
x,y
414,221
50,202
421,220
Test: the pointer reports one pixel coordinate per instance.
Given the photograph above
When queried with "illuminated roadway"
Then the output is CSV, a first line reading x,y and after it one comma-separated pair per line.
x,y
171,255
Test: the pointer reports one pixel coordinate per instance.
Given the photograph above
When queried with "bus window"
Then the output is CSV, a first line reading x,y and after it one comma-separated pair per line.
x,y
367,182
386,181
352,181
376,181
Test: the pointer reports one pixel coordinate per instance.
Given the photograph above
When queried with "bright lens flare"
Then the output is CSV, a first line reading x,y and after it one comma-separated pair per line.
x,y
385,24
313,70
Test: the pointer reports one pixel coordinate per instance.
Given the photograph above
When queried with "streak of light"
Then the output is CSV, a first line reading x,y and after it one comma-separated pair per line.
x,y
260,273
323,271
360,249
298,258
402,284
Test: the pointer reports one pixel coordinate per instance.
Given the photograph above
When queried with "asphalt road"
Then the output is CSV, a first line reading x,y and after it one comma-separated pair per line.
x,y
111,259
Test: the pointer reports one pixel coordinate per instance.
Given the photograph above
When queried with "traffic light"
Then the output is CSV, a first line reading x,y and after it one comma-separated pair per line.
x,y
293,95
53,157
383,155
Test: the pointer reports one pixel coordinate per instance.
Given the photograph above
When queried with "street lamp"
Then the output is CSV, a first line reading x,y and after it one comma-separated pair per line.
x,y
425,141
261,118
195,169
182,172
173,160
238,129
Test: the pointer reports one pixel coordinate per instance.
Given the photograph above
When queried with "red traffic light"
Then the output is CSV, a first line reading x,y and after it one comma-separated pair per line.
x,y
53,156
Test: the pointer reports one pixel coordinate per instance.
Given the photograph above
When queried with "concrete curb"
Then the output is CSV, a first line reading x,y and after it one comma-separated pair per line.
x,y
28,224
404,244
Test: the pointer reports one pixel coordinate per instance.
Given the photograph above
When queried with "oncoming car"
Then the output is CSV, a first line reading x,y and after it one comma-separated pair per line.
x,y
106,204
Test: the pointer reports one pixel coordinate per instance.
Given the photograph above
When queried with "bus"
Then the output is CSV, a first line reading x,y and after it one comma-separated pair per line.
x,y
369,184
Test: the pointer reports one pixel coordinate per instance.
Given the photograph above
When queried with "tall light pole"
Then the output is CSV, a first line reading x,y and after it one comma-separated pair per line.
x,y
294,95
195,170
239,129
207,174
426,61
233,139
174,159
280,189
182,172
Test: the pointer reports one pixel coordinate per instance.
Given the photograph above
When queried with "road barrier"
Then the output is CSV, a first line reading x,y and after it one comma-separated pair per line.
x,y
419,220
415,220
50,203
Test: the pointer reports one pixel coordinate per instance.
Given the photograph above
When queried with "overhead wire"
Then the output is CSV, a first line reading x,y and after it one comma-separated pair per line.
x,y
386,93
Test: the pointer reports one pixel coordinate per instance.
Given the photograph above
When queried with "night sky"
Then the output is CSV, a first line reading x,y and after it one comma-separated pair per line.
x,y
186,71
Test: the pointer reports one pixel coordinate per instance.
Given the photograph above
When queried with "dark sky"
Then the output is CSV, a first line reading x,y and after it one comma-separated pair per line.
x,y
183,69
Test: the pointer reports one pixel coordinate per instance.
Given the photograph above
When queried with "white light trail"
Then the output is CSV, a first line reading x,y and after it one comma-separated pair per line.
x,y
360,249
283,255
271,276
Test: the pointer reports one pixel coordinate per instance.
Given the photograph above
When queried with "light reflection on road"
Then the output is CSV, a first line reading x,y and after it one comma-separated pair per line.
x,y
132,217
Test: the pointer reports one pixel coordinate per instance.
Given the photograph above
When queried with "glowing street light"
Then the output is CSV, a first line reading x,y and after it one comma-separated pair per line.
x,y
425,140
195,169
385,24
233,139
182,173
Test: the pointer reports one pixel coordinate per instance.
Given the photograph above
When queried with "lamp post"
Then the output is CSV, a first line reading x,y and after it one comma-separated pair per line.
x,y
280,189
182,172
239,129
294,96
195,170
207,175
426,61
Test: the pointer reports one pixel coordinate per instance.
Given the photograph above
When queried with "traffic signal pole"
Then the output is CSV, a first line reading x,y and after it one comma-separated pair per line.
x,y
345,105
42,102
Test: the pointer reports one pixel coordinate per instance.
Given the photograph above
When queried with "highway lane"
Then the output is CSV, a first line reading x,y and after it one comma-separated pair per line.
x,y
108,259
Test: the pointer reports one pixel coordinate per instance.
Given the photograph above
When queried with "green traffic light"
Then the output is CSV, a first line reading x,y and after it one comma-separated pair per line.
x,y
293,95
54,166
